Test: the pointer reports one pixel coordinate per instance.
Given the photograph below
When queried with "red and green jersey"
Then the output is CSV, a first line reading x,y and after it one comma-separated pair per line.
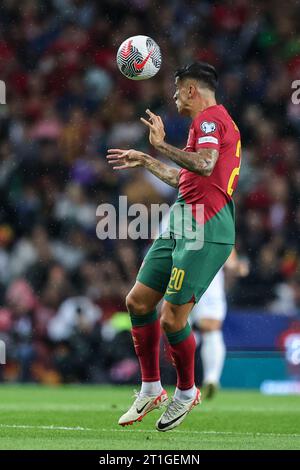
x,y
213,128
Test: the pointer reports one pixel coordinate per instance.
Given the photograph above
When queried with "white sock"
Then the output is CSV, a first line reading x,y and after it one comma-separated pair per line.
x,y
151,388
213,355
185,395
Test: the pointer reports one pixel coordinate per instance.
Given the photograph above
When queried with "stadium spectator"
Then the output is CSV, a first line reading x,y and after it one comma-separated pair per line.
x,y
67,102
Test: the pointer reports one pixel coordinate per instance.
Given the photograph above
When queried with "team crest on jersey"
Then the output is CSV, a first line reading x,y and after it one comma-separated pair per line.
x,y
208,127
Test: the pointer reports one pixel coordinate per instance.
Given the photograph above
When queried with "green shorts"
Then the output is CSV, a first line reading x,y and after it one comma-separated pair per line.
x,y
181,274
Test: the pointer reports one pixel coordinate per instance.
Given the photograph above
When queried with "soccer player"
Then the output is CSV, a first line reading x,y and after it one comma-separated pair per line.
x,y
208,316
171,270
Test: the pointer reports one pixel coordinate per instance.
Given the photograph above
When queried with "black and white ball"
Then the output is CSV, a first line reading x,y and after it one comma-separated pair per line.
x,y
139,58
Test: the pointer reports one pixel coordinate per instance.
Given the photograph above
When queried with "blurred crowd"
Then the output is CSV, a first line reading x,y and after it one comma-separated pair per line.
x,y
62,289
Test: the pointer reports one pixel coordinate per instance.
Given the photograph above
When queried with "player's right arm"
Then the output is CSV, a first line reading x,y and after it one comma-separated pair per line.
x,y
124,159
202,161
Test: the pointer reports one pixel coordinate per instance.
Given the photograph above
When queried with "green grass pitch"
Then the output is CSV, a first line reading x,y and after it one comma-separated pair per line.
x,y
81,417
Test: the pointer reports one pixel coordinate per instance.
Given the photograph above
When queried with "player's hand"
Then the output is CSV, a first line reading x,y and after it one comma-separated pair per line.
x,y
156,128
123,159
243,268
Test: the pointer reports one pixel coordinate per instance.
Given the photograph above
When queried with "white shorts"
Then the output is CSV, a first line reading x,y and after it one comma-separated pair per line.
x,y
213,303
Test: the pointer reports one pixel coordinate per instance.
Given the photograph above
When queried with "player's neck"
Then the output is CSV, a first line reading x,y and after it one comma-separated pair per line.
x,y
201,106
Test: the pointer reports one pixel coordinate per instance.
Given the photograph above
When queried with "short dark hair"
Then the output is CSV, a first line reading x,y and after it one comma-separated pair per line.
x,y
201,71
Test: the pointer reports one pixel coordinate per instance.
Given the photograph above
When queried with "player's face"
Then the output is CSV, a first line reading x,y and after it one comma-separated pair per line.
x,y
181,97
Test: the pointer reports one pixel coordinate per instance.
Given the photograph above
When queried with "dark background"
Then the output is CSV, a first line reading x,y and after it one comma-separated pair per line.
x,y
66,104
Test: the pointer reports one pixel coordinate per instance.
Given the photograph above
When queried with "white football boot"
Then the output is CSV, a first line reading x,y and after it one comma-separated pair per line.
x,y
176,412
141,406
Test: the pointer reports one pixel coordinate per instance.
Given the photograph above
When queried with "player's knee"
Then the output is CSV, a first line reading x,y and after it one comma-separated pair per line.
x,y
135,304
208,325
169,322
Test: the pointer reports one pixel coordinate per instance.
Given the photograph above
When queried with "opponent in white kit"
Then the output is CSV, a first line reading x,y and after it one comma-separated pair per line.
x,y
208,315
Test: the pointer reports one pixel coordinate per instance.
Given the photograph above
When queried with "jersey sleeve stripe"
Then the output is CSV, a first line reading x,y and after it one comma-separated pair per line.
x,y
208,139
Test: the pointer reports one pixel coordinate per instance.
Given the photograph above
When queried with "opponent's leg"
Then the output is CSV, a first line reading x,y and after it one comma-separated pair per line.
x,y
212,354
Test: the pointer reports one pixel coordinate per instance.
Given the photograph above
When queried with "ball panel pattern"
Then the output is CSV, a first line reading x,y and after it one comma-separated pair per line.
x,y
156,55
139,58
128,56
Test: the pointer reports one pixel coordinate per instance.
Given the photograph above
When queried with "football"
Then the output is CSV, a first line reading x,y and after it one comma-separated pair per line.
x,y
139,58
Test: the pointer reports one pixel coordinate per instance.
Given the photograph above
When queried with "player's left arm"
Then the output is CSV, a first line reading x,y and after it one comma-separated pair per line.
x,y
201,162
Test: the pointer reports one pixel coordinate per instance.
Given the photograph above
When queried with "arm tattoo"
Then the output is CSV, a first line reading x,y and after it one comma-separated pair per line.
x,y
201,162
163,171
